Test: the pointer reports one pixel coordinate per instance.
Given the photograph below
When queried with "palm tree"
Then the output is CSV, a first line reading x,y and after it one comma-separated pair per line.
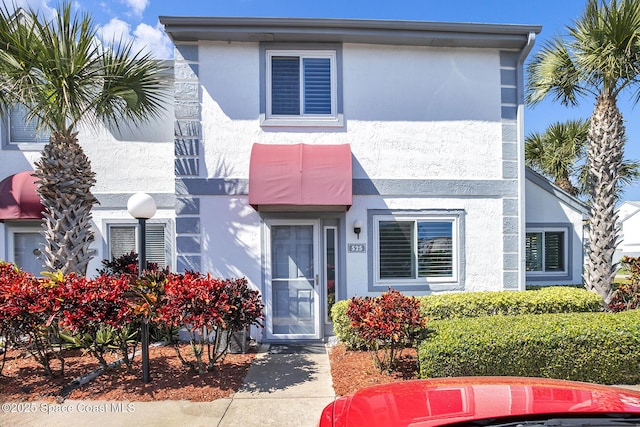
x,y
600,58
63,76
560,153
556,152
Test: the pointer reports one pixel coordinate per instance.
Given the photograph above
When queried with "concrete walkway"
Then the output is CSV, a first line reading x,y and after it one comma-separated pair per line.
x,y
285,386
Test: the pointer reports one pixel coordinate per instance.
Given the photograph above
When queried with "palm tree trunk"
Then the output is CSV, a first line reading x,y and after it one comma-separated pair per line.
x,y
565,184
65,180
605,152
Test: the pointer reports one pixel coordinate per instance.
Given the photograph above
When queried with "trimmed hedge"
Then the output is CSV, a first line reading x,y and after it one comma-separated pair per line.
x,y
554,299
342,326
593,347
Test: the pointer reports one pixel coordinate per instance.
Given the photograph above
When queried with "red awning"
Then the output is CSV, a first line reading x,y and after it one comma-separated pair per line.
x,y
18,197
299,175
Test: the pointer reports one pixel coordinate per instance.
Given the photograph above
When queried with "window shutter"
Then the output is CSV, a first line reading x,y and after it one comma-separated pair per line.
x,y
285,85
396,249
155,245
317,85
122,240
21,131
435,249
533,251
554,251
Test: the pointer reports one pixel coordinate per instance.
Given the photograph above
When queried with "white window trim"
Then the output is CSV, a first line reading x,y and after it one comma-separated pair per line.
x,y
168,251
455,245
307,120
543,230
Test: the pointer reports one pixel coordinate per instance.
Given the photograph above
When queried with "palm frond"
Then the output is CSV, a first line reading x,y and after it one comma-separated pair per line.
x,y
552,72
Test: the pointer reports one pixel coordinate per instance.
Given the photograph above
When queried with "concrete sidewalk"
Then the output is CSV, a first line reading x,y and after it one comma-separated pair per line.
x,y
285,386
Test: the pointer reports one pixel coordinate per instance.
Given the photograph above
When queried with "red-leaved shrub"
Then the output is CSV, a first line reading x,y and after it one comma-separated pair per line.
x,y
386,324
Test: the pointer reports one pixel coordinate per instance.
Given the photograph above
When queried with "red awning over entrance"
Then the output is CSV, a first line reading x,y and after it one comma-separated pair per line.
x,y
300,175
18,197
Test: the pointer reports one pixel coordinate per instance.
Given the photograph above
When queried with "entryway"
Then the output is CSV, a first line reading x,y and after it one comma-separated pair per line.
x,y
293,282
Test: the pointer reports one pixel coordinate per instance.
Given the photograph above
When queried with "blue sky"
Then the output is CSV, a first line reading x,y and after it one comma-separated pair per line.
x,y
138,19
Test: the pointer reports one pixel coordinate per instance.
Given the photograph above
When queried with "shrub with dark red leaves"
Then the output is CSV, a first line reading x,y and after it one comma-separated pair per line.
x,y
29,310
211,309
386,324
627,295
100,314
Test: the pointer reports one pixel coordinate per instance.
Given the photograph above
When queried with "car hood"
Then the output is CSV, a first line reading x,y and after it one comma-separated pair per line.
x,y
451,400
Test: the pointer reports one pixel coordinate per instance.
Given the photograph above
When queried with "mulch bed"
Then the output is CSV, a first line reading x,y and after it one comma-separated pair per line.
x,y
23,379
352,370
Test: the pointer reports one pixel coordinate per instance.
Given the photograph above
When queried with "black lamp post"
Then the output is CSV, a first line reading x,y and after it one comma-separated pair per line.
x,y
142,207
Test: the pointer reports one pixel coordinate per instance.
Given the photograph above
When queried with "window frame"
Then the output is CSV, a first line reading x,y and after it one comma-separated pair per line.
x,y
109,226
335,119
8,144
28,226
567,250
455,217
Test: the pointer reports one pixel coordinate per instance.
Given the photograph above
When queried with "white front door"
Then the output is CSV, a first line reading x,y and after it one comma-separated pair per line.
x,y
292,282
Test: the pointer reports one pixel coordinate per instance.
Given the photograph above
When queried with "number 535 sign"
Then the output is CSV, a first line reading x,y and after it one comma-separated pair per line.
x,y
360,248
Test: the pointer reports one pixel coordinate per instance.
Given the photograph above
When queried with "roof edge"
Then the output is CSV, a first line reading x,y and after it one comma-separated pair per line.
x,y
348,30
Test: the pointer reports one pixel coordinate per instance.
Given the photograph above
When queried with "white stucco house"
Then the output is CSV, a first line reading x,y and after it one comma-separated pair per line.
x,y
325,158
629,230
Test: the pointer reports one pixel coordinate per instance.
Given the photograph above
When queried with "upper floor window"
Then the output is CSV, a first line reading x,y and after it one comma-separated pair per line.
x,y
546,251
21,133
301,88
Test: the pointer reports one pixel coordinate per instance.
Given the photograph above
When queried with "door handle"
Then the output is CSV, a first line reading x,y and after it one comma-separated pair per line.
x,y
315,282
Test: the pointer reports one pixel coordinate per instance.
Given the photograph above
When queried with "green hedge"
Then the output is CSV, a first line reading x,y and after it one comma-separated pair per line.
x,y
555,299
474,304
342,326
594,347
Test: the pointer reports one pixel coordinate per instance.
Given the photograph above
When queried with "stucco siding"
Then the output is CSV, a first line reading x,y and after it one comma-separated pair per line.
x,y
543,210
392,132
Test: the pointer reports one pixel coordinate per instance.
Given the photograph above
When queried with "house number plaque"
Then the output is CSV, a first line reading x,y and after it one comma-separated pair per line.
x,y
357,248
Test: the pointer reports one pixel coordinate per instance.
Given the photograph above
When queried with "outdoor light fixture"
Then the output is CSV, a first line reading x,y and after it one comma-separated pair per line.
x,y
142,207
357,227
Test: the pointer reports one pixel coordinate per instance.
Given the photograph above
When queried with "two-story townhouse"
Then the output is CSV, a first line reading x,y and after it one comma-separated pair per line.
x,y
325,158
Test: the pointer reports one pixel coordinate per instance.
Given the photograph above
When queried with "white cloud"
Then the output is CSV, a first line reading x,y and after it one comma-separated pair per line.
x,y
137,6
41,6
116,30
144,37
154,39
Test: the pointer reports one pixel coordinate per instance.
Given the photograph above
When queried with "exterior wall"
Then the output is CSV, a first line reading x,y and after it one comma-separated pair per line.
x,y
629,237
453,148
543,209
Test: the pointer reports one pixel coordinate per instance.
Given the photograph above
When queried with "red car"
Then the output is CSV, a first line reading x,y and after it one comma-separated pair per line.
x,y
485,401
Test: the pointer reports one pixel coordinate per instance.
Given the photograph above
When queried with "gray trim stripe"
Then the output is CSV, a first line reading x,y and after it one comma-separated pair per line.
x,y
119,200
367,187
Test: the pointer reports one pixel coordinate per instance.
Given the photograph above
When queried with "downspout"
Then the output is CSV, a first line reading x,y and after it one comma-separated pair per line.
x,y
531,39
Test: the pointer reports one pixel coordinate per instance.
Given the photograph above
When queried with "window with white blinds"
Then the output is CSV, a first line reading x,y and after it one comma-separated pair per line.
x,y
546,251
415,249
123,239
22,131
301,84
